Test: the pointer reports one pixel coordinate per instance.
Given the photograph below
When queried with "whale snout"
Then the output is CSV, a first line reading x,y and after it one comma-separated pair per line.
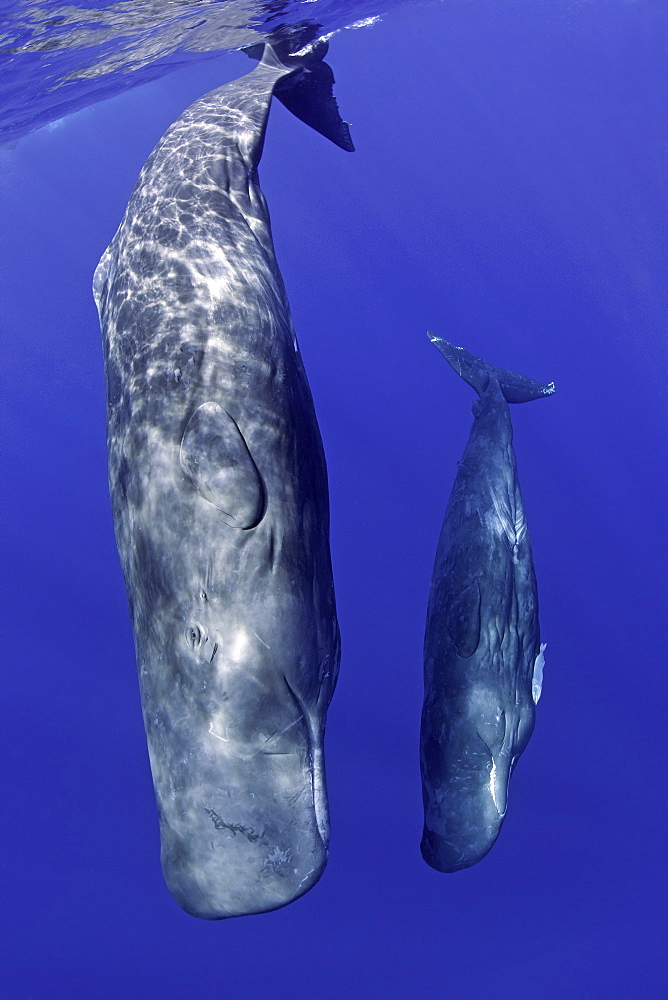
x,y
466,776
452,856
462,827
247,876
251,842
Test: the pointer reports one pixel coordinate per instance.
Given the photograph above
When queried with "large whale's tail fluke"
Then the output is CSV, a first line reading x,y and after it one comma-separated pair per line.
x,y
475,371
309,91
312,100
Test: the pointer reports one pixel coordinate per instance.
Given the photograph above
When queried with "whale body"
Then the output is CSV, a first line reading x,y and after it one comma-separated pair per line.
x,y
220,502
483,659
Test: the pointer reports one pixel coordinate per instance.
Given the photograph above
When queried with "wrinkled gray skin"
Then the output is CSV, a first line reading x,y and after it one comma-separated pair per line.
x,y
220,505
483,659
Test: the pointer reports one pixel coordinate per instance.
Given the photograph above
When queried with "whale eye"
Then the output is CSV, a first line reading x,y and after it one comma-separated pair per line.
x,y
193,636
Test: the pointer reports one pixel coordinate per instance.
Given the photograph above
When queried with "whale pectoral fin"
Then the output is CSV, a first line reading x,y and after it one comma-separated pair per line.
x,y
101,278
463,619
215,458
537,679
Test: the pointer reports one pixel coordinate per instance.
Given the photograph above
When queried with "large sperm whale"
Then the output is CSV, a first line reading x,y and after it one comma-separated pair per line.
x,y
483,659
220,502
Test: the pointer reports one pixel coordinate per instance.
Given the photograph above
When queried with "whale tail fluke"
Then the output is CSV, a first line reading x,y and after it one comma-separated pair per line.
x,y
312,100
475,371
308,92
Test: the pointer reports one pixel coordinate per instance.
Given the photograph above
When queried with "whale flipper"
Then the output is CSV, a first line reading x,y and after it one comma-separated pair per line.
x,y
475,371
215,458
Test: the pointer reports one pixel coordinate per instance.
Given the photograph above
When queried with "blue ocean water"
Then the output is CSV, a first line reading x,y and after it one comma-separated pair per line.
x,y
507,192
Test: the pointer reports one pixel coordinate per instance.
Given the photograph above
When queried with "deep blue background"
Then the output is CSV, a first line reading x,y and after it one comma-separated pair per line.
x,y
506,193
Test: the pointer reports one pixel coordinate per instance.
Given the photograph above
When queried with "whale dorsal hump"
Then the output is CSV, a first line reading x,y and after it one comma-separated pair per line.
x,y
216,459
463,619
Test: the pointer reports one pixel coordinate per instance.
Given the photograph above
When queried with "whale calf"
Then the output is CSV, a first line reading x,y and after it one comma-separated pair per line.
x,y
483,659
220,501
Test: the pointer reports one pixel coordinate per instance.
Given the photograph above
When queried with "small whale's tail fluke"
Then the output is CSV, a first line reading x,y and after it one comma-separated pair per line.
x,y
475,371
308,92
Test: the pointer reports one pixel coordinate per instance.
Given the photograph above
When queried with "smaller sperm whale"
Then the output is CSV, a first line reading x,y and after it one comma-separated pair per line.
x,y
483,658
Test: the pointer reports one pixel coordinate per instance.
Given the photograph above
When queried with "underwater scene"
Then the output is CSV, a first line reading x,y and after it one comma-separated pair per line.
x,y
292,576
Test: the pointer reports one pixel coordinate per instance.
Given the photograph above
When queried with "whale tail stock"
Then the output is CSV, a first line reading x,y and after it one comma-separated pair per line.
x,y
475,371
308,92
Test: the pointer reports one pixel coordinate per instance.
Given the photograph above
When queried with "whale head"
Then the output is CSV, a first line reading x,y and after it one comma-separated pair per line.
x,y
236,749
483,736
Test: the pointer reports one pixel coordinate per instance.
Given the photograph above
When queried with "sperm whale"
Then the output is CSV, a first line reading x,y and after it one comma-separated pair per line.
x,y
483,659
220,501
